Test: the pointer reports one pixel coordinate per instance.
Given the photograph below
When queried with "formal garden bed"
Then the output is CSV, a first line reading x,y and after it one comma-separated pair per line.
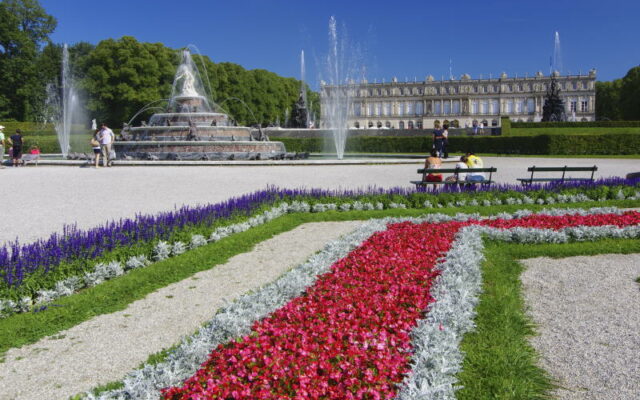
x,y
42,277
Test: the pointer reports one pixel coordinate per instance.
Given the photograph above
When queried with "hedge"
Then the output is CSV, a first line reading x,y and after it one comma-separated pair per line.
x,y
586,124
611,144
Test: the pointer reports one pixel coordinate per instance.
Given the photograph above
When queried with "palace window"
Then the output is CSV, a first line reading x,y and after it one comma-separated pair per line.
x,y
437,108
387,124
475,89
456,106
357,109
584,106
378,109
419,124
474,107
447,108
410,125
531,106
370,124
386,108
401,91
510,87
369,109
356,125
494,107
409,107
401,108
575,85
484,107
494,122
573,106
379,124
520,87
419,108
518,106
401,125
509,106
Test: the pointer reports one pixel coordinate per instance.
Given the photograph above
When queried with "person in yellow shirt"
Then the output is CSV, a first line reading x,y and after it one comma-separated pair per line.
x,y
473,161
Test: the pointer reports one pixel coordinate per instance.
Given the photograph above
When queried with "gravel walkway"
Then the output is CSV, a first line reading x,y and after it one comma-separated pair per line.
x,y
44,199
105,348
588,315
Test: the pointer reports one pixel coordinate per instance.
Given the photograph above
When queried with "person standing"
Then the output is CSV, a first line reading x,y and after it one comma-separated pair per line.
x,y
16,142
445,141
1,147
95,146
438,141
106,138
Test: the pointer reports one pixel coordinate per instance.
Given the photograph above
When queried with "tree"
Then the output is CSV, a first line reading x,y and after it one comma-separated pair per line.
x,y
608,100
24,28
123,76
630,95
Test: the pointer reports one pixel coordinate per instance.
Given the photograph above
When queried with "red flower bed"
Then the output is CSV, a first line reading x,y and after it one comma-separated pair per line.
x,y
347,336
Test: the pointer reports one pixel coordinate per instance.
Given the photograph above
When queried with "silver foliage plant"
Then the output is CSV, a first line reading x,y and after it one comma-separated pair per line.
x,y
436,357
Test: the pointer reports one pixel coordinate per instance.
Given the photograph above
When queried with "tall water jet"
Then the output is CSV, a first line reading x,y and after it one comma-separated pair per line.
x,y
300,111
62,107
335,92
303,85
557,54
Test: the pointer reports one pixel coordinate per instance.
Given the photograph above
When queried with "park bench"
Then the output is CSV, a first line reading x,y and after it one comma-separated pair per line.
x,y
561,179
456,172
30,158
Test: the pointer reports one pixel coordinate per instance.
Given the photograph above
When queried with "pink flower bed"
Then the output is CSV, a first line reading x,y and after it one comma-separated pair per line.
x,y
347,336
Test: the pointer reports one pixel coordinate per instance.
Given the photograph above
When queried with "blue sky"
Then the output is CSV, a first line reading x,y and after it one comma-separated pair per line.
x,y
407,39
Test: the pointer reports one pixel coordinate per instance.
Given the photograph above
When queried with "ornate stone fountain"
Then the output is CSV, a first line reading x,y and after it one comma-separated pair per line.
x,y
191,129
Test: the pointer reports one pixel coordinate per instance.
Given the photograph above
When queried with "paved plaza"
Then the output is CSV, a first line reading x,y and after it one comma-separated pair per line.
x,y
41,200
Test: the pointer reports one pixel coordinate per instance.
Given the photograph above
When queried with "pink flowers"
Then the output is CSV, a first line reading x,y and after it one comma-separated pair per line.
x,y
347,336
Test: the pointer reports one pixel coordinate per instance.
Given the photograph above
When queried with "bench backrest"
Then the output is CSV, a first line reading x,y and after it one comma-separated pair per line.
x,y
564,170
455,170
560,169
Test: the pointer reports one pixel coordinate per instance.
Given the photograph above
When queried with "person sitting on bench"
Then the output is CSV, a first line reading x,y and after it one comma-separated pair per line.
x,y
433,162
473,161
462,164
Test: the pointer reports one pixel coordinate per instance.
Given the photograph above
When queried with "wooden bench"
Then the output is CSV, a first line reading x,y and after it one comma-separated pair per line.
x,y
456,172
30,158
563,178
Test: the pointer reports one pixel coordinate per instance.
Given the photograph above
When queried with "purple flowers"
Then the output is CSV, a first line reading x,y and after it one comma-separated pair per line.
x,y
19,261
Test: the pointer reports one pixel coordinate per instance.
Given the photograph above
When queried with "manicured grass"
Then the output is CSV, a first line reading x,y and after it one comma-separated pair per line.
x,y
499,362
114,295
573,131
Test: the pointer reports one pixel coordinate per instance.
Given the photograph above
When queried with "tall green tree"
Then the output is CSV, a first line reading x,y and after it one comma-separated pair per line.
x,y
24,29
630,95
608,100
122,76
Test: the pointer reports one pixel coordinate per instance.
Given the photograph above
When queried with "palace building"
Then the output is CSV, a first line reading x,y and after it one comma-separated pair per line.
x,y
464,102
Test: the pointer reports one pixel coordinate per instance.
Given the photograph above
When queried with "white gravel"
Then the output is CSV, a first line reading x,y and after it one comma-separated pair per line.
x,y
41,200
588,314
106,347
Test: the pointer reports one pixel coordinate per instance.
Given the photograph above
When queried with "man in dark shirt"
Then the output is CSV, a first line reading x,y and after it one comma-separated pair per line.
x,y
438,141
16,142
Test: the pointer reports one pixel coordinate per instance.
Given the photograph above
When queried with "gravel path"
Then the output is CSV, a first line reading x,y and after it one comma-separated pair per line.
x,y
588,315
44,199
105,348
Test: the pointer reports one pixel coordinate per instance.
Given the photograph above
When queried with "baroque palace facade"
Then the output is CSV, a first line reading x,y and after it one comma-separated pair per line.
x,y
464,102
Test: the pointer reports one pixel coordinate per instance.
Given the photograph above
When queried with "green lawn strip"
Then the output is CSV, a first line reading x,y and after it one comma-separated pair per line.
x,y
114,295
573,131
499,362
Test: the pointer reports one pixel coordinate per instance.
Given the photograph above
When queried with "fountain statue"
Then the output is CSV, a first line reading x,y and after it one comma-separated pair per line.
x,y
192,127
300,113
553,109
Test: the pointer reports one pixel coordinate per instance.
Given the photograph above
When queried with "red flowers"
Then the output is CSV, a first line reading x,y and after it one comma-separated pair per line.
x,y
347,336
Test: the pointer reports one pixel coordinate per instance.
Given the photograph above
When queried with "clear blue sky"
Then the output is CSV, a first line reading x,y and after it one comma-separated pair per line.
x,y
398,38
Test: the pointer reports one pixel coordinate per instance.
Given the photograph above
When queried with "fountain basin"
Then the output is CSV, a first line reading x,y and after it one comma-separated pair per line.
x,y
199,150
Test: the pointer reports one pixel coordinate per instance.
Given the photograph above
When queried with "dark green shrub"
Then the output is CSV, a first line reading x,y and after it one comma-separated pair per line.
x,y
567,124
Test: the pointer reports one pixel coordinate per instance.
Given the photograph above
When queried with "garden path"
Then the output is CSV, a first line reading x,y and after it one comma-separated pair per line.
x,y
44,199
105,348
587,311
